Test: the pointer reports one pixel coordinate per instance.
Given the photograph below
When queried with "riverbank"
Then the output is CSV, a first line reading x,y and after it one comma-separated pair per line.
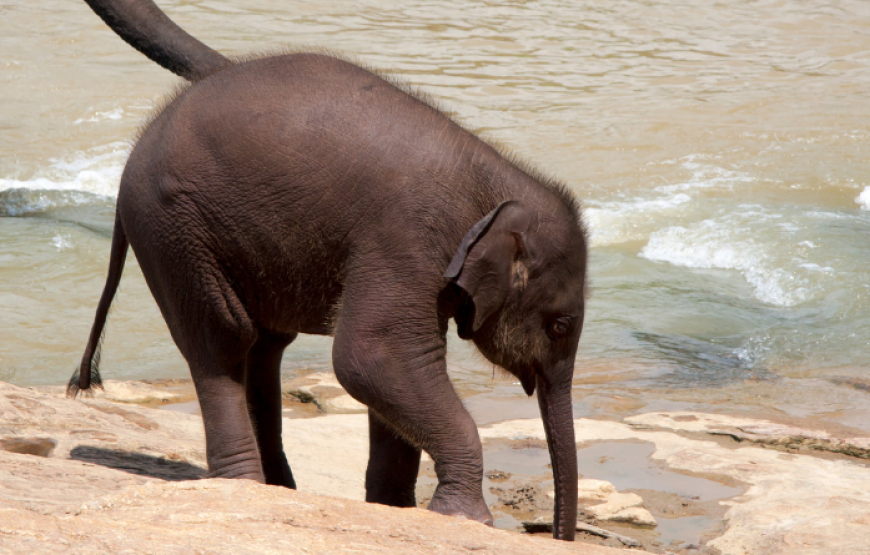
x,y
116,472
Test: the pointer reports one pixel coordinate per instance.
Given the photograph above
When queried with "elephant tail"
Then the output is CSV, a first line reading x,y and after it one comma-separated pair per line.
x,y
87,375
147,29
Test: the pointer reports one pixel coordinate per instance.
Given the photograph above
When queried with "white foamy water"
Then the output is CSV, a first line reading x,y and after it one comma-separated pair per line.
x,y
633,219
705,175
63,242
765,247
628,220
864,199
114,114
80,179
96,171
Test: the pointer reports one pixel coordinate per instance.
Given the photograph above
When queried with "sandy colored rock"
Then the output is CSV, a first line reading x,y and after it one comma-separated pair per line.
x,y
242,517
108,456
171,445
622,507
87,428
637,516
96,493
588,488
613,506
755,431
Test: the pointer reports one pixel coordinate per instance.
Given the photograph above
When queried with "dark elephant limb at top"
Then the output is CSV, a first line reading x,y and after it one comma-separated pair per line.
x,y
301,193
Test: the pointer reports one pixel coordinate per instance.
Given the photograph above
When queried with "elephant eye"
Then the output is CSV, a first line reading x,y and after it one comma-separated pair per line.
x,y
559,328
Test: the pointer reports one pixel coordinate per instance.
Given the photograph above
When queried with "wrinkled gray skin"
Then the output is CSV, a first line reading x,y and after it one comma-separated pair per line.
x,y
303,194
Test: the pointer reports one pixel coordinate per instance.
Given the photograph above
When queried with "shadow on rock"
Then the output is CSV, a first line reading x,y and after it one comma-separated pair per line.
x,y
137,463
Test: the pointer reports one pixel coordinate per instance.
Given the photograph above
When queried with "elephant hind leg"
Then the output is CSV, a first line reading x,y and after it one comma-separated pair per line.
x,y
231,447
217,350
214,333
263,387
391,475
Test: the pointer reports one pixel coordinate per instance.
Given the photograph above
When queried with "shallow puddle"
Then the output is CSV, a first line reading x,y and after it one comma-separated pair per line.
x,y
629,467
686,530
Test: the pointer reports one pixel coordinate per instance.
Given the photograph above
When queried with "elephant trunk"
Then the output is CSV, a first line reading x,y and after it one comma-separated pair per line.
x,y
557,412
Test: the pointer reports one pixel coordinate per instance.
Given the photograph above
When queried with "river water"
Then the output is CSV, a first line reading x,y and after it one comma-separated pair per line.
x,y
721,151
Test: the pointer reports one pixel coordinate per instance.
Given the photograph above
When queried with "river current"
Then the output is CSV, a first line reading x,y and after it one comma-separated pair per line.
x,y
721,152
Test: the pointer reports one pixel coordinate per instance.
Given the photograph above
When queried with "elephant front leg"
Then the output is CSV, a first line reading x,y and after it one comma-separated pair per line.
x,y
391,476
399,371
459,467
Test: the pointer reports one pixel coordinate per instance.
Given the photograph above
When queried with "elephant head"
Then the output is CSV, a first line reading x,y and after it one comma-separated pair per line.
x,y
523,273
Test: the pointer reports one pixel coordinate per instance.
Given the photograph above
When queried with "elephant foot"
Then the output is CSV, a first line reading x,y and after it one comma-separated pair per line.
x,y
238,475
472,509
277,471
392,497
245,465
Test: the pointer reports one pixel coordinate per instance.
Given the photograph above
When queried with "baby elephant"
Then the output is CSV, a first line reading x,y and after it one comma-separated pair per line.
x,y
303,194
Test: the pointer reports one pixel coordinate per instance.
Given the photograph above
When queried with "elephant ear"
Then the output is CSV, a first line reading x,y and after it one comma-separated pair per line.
x,y
485,264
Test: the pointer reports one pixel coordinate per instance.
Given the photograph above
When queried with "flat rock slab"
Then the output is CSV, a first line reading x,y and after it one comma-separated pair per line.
x,y
242,517
77,476
753,430
328,454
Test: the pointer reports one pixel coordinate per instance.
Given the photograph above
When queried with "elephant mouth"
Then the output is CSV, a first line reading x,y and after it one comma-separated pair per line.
x,y
528,380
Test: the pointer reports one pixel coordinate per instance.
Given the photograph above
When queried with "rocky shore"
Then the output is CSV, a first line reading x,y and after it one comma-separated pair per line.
x,y
119,473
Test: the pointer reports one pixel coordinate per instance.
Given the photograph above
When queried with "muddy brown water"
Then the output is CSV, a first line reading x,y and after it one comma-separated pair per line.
x,y
721,152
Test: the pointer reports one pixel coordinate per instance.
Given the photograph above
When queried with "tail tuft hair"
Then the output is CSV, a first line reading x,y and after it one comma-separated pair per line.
x,y
91,368
72,388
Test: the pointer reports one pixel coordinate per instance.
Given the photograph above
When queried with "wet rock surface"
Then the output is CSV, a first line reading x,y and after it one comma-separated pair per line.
x,y
789,504
140,393
523,498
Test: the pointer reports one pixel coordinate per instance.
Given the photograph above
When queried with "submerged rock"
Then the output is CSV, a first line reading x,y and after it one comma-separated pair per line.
x,y
542,525
601,501
622,507
525,497
324,391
